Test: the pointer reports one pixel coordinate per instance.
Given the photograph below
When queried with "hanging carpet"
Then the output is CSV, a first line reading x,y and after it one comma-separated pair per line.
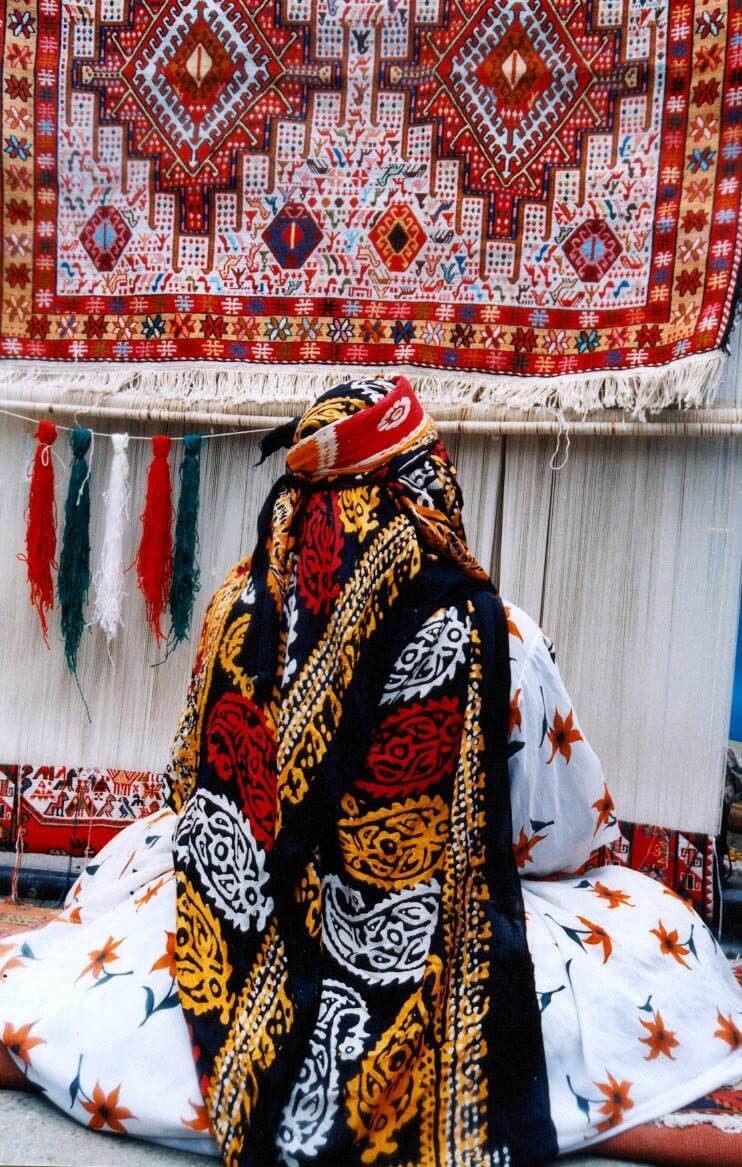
x,y
527,203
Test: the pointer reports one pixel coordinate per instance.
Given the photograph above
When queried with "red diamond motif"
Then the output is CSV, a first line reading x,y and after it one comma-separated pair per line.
x,y
104,237
592,249
200,70
516,73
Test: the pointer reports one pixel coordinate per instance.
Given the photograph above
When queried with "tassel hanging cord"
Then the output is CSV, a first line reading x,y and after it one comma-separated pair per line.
x,y
685,423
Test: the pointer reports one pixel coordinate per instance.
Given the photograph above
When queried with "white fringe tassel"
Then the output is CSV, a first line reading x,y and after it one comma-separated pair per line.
x,y
689,382
109,578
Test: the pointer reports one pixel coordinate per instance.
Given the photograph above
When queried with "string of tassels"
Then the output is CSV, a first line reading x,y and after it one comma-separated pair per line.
x,y
166,561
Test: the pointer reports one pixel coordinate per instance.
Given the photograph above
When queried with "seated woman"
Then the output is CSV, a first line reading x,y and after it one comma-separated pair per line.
x,y
361,934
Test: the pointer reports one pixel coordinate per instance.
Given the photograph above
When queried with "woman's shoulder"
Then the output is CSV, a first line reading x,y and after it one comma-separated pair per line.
x,y
526,638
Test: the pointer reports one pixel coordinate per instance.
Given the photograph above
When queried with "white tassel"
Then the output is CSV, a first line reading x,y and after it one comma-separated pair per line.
x,y
731,1124
109,577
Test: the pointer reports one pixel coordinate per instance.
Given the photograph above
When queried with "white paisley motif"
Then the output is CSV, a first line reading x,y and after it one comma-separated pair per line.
x,y
386,942
337,1037
430,659
217,840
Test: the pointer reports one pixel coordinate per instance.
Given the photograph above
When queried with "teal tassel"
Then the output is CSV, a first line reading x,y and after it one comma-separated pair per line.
x,y
74,561
185,582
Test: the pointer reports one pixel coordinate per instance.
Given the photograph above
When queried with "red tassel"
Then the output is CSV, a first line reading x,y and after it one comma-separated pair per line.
x,y
155,556
41,531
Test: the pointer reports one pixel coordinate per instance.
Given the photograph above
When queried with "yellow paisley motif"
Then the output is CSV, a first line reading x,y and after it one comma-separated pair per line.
x,y
357,507
309,895
201,955
280,547
395,1082
393,846
325,413
263,1016
229,651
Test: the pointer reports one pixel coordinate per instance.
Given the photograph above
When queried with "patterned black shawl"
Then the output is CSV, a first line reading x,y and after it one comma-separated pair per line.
x,y
351,946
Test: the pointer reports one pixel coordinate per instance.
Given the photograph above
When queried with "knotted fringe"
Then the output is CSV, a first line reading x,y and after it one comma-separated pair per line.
x,y
109,578
41,529
731,1124
185,582
154,558
690,382
73,580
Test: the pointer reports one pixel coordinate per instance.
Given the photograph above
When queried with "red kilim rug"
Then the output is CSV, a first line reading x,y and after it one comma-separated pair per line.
x,y
535,201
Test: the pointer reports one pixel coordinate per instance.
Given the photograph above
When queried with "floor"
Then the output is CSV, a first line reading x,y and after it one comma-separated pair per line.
x,y
34,1132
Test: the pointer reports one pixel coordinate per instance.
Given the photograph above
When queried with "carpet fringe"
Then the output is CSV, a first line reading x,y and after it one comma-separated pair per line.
x,y
731,1124
690,382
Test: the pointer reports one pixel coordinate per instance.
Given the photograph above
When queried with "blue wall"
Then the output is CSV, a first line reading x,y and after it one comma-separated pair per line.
x,y
735,727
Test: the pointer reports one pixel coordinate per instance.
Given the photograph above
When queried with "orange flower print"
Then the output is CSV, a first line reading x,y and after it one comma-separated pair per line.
x,y
669,944
513,628
597,935
200,1120
167,960
15,961
515,720
522,849
105,1110
616,1101
100,957
613,897
661,1040
151,892
562,735
605,808
728,1031
19,1041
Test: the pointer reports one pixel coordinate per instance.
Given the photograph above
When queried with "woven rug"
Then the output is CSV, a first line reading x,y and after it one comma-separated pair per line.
x,y
532,203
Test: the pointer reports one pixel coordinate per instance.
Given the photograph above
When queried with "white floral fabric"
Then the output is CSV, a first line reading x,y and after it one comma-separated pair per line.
x,y
640,1011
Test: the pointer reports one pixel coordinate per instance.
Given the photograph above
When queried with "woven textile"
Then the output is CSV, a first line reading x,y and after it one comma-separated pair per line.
x,y
72,810
683,860
480,189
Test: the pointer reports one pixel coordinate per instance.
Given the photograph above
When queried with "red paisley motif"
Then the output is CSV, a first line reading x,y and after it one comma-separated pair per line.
x,y
321,544
414,747
241,748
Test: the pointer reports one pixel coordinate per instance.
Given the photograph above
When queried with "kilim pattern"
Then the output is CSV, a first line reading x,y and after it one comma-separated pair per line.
x,y
543,188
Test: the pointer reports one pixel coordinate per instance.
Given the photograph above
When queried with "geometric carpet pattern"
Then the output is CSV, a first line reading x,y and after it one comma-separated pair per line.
x,y
540,188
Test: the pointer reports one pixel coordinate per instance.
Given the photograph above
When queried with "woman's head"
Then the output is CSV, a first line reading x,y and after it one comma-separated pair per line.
x,y
375,432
